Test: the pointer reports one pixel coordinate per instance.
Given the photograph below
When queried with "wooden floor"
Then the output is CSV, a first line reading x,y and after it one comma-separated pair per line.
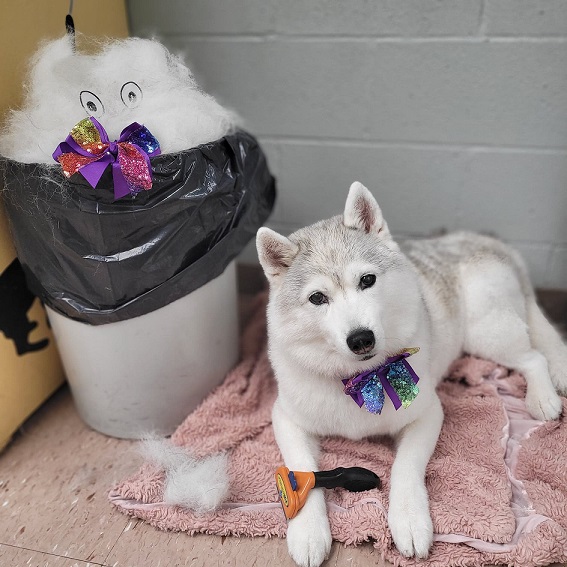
x,y
54,511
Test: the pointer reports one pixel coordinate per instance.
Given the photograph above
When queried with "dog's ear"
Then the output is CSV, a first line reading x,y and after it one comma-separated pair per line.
x,y
362,212
275,252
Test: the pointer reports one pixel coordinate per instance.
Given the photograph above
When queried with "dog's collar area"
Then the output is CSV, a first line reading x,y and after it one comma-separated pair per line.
x,y
394,377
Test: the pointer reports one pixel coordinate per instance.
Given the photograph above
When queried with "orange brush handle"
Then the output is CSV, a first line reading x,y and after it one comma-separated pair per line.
x,y
293,487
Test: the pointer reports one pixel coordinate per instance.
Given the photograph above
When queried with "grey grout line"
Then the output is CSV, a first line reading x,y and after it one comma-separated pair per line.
x,y
338,38
407,144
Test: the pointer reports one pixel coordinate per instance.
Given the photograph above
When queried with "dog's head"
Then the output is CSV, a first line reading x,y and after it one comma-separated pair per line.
x,y
342,295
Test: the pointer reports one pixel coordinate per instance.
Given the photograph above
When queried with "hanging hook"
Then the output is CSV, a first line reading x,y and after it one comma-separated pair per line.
x,y
70,24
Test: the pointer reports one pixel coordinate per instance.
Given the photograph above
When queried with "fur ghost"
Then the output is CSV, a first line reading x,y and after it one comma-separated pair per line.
x,y
131,80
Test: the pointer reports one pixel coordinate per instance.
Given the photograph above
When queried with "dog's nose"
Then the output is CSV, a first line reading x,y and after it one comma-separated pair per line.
x,y
361,341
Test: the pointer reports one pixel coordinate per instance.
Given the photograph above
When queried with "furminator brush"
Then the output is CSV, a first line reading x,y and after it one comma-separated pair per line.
x,y
294,486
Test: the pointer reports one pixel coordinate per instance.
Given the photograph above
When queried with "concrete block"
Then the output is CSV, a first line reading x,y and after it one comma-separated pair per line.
x,y
406,18
249,254
272,152
558,269
465,93
417,190
537,258
174,17
484,93
313,89
526,17
518,196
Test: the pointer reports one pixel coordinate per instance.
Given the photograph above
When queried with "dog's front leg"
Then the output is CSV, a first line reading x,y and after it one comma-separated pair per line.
x,y
308,534
408,514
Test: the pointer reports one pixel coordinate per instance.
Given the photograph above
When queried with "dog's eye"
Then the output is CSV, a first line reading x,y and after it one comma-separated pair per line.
x,y
368,280
318,298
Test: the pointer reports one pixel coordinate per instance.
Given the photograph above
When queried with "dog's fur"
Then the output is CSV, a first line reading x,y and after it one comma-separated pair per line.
x,y
448,295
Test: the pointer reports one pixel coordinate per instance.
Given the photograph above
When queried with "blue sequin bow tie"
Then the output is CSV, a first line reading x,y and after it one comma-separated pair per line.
x,y
395,377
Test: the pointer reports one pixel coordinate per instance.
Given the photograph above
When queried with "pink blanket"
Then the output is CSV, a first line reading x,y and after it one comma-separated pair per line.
x,y
497,481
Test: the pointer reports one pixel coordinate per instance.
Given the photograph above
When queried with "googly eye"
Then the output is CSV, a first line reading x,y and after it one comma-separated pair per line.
x,y
91,103
131,94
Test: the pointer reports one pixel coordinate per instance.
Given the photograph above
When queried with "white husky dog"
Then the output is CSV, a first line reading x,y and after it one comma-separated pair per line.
x,y
344,297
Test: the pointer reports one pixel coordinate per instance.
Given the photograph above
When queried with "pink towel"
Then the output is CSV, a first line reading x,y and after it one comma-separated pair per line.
x,y
497,481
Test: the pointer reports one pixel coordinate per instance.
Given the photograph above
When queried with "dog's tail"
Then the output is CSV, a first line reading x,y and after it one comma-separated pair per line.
x,y
547,340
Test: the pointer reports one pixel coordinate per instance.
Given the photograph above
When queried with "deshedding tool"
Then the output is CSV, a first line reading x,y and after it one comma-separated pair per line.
x,y
294,486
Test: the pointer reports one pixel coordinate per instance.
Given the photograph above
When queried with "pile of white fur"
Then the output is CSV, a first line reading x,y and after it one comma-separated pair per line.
x,y
199,484
132,80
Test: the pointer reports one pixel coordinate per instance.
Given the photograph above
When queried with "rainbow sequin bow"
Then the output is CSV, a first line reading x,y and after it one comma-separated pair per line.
x,y
395,377
88,150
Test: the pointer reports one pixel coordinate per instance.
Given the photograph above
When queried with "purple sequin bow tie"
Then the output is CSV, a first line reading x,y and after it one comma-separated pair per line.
x,y
87,149
395,377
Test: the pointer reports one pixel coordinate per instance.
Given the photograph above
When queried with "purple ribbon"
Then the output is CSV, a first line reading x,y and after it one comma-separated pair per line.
x,y
395,376
129,155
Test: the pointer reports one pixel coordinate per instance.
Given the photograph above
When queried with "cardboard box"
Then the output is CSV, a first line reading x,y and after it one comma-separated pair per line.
x,y
30,367
30,370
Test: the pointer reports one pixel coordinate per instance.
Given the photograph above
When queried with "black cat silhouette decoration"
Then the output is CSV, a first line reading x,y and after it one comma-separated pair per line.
x,y
15,301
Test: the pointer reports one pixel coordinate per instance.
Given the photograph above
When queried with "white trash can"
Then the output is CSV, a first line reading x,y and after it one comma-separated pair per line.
x,y
141,291
146,374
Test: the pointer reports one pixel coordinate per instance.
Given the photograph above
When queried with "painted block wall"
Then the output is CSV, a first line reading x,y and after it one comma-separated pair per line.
x,y
453,112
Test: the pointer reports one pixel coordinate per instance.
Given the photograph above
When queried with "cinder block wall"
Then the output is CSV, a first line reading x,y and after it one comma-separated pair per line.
x,y
453,112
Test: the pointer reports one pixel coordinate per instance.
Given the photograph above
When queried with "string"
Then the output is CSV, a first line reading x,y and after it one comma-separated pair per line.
x,y
70,24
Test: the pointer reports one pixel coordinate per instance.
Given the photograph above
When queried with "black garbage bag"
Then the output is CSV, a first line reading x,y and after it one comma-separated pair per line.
x,y
99,261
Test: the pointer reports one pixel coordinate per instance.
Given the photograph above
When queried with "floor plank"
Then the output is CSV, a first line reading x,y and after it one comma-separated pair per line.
x,y
361,556
144,545
19,557
54,480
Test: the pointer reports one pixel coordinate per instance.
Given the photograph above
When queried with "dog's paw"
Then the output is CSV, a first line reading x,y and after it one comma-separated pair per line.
x,y
309,536
309,545
559,378
410,524
544,405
